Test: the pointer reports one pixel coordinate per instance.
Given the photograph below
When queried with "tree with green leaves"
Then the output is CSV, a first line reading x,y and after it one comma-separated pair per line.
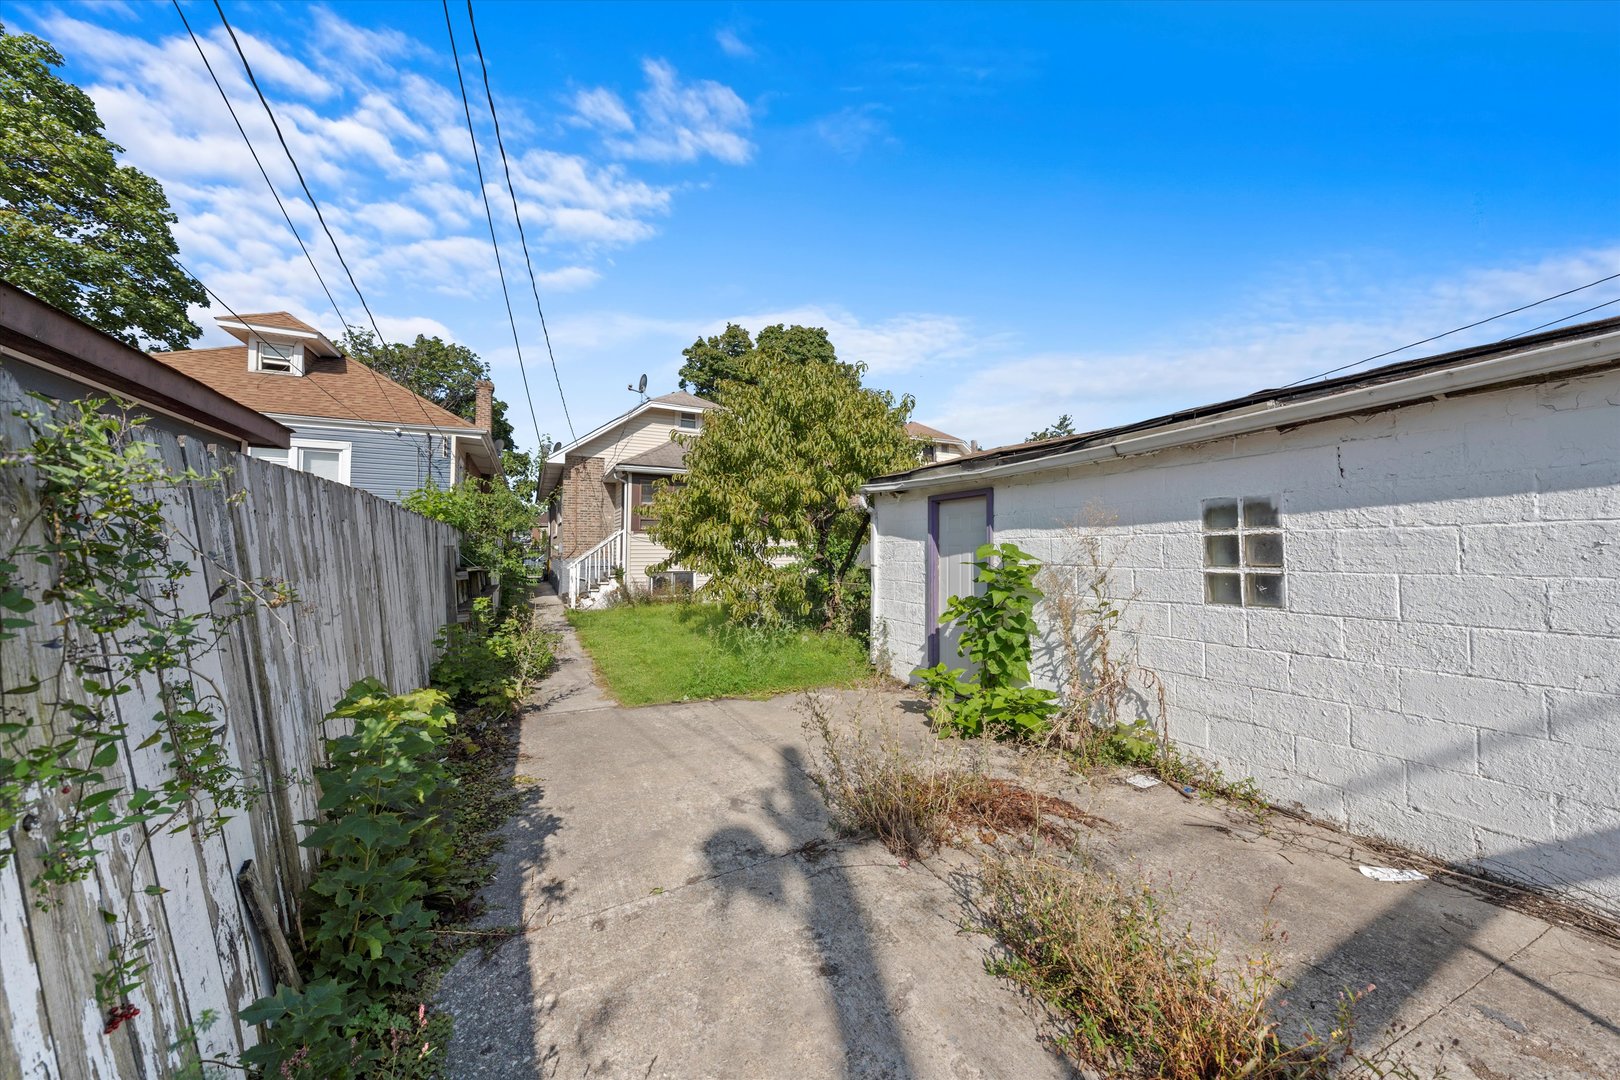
x,y
775,474
714,362
447,374
1064,426
78,230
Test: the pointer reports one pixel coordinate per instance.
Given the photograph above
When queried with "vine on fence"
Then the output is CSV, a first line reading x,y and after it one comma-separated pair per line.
x,y
113,569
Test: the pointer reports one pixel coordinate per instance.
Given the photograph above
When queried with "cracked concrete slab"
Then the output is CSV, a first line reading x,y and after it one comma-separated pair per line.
x,y
690,913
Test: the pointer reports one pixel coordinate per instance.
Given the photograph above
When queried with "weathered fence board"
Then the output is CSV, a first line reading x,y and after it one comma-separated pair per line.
x,y
375,583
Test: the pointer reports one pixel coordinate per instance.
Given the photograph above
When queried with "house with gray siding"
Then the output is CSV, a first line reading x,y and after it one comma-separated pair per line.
x,y
1391,598
349,423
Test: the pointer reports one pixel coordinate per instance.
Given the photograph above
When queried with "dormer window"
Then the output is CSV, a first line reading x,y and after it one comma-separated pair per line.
x,y
277,357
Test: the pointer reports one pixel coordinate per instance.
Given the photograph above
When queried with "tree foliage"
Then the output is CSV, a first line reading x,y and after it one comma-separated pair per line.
x,y
775,474
78,230
713,363
495,522
447,374
1064,426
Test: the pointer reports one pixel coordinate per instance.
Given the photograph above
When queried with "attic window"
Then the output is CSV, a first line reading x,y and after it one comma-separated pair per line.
x,y
277,357
1243,552
689,421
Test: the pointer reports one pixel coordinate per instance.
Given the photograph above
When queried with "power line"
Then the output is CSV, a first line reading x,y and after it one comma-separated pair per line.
x,y
262,170
310,195
489,213
1458,330
1566,318
221,300
534,283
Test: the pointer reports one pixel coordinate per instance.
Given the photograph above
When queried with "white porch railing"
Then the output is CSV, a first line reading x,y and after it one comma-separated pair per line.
x,y
594,567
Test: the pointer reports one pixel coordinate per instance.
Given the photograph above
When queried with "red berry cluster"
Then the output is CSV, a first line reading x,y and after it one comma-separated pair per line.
x,y
117,1015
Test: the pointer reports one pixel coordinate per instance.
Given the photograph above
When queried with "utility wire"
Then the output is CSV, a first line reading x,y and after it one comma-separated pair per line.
x,y
489,214
534,282
310,195
221,300
1458,330
1566,318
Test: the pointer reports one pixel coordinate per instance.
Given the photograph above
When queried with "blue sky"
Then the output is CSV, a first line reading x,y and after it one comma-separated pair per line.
x,y
1009,212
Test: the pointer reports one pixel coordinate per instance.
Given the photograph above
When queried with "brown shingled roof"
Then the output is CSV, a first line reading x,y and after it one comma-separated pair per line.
x,y
342,389
923,431
282,319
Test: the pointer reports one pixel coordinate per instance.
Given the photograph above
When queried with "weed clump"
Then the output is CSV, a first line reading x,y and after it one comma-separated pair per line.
x,y
873,783
1139,997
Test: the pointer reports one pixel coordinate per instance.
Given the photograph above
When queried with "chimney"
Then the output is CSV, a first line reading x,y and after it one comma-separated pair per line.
x,y
484,404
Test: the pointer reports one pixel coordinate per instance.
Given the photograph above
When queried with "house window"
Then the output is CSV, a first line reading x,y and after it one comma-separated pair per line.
x,y
1243,552
689,421
318,457
678,582
277,357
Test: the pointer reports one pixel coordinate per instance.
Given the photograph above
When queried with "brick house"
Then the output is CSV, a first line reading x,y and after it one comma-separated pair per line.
x,y
605,482
1392,598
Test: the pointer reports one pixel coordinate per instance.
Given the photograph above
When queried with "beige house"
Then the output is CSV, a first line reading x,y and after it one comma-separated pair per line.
x,y
606,480
940,446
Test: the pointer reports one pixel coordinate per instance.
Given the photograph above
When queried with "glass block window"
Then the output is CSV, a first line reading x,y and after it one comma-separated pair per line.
x,y
1243,552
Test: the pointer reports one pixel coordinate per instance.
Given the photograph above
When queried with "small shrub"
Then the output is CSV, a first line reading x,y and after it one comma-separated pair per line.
x,y
383,847
998,631
872,783
490,665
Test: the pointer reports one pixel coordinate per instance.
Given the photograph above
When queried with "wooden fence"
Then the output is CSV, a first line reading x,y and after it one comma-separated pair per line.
x,y
374,585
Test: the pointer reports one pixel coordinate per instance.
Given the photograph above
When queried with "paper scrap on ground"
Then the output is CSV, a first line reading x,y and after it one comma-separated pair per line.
x,y
1140,781
1389,873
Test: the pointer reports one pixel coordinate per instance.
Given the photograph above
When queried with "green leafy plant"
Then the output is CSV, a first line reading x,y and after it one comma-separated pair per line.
x,y
997,633
489,664
495,524
95,576
382,849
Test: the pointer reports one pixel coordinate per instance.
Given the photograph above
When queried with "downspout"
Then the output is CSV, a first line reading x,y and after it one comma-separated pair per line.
x,y
875,616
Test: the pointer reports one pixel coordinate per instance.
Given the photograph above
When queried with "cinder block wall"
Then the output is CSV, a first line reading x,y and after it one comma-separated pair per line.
x,y
1446,673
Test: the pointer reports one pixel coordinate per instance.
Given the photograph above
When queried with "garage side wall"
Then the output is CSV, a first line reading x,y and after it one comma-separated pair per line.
x,y
1446,673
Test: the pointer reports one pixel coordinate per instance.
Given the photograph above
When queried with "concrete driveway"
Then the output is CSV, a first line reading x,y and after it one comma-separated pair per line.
x,y
690,913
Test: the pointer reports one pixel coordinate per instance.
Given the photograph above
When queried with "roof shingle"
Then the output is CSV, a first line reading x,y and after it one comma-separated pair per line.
x,y
340,389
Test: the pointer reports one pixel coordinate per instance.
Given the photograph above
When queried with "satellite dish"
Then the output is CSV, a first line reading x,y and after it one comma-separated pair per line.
x,y
641,387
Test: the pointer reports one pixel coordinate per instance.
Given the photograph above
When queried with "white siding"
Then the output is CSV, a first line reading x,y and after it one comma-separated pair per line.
x,y
1447,670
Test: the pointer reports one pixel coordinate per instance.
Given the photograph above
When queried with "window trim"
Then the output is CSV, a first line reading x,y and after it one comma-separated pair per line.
x,y
1243,569
345,451
696,419
295,358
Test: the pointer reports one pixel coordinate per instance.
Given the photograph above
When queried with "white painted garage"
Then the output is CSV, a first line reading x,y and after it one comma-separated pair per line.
x,y
1392,598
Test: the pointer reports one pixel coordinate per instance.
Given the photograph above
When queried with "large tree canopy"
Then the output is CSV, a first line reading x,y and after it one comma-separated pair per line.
x,y
775,473
712,363
447,374
77,229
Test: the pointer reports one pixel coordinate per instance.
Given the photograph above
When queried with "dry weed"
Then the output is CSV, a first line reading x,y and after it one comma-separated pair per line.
x,y
1140,998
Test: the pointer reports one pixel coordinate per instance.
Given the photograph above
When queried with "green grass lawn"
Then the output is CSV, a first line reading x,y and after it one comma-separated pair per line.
x,y
654,653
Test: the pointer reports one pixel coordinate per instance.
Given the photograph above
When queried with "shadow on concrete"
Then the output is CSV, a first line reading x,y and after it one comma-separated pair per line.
x,y
836,923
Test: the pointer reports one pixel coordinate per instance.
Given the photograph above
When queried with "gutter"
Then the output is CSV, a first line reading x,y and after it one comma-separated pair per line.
x,y
1536,364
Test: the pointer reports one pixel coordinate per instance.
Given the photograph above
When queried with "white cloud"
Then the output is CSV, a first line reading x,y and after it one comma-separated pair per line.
x,y
733,45
1004,396
676,121
383,142
569,278
851,130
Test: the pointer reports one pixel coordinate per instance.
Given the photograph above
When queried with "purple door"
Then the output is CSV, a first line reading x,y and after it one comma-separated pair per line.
x,y
957,525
